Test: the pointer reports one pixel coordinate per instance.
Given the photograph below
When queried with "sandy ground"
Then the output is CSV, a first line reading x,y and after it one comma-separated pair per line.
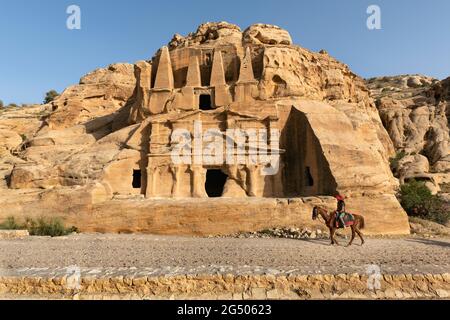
x,y
225,254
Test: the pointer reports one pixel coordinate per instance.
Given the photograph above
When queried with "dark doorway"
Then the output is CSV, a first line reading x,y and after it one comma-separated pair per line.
x,y
308,177
208,59
215,183
137,179
205,102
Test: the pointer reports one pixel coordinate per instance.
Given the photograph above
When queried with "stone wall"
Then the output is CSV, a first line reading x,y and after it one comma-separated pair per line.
x,y
228,286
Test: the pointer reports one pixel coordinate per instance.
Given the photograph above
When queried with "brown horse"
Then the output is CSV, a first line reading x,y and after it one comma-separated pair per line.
x,y
330,222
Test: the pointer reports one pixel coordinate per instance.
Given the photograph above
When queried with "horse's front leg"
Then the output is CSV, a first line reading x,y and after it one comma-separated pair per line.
x,y
333,239
353,236
331,236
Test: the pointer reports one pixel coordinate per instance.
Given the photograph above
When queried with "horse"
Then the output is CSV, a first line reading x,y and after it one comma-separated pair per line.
x,y
330,222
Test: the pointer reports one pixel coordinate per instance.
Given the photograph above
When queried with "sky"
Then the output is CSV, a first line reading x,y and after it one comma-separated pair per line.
x,y
39,53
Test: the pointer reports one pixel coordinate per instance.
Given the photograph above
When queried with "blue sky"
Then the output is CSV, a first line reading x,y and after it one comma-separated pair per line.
x,y
39,53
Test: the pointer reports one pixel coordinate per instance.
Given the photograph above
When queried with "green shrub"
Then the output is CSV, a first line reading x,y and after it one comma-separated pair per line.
x,y
417,200
50,96
10,224
53,227
415,195
439,213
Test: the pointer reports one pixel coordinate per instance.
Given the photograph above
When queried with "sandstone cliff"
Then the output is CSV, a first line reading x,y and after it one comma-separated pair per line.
x,y
416,112
73,157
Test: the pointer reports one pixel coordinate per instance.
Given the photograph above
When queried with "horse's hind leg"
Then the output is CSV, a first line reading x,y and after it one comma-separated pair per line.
x,y
360,236
353,237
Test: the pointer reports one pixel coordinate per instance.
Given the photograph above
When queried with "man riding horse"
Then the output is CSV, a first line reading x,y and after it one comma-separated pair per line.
x,y
340,212
336,219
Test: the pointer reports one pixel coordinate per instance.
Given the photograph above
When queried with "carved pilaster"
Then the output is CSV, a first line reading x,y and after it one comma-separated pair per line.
x,y
253,180
277,182
176,173
153,174
198,181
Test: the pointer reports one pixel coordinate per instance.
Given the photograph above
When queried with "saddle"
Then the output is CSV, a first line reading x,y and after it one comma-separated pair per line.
x,y
349,220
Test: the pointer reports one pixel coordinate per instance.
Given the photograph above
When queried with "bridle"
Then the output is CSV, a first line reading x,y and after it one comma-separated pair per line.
x,y
318,215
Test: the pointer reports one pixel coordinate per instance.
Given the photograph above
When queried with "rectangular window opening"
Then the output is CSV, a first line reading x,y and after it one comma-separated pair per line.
x,y
137,179
205,102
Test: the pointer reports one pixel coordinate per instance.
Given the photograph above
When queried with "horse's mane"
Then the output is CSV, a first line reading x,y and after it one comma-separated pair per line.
x,y
317,210
320,208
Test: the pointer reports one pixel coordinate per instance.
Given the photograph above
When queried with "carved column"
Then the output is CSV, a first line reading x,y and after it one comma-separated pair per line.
x,y
198,181
152,181
176,173
253,180
277,181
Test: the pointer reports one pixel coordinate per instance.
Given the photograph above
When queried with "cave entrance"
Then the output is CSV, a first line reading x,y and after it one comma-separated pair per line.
x,y
215,182
205,102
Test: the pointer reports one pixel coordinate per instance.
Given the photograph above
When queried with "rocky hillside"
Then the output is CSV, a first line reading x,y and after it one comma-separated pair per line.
x,y
42,137
415,110
72,140
77,155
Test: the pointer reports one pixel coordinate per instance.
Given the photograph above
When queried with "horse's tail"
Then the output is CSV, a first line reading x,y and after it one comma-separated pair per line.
x,y
362,223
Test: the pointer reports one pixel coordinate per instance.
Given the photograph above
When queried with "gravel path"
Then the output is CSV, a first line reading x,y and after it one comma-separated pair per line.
x,y
206,255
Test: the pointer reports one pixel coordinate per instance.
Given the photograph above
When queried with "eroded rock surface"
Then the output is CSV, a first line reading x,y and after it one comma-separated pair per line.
x,y
415,111
99,93
110,136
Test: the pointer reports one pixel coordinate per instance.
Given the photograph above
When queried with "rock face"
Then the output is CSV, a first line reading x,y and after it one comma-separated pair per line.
x,y
16,126
99,93
416,113
297,124
266,34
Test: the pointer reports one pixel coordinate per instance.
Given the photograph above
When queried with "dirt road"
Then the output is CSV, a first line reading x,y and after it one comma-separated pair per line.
x,y
212,255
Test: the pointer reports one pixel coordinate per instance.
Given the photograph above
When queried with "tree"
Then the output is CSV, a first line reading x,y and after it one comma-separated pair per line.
x,y
417,200
1,104
50,96
415,196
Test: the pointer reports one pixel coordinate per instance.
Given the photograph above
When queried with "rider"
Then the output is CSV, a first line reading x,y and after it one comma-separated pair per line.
x,y
340,212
